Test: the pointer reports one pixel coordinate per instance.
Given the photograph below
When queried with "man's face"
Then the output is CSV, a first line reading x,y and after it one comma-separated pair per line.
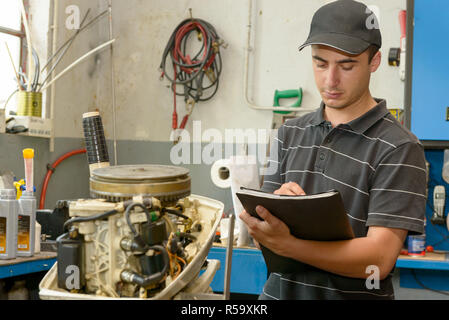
x,y
342,79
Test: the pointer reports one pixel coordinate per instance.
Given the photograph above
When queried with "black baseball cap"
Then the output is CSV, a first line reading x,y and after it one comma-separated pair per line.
x,y
346,25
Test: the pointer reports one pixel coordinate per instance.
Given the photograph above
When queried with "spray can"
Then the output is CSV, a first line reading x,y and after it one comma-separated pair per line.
x,y
8,223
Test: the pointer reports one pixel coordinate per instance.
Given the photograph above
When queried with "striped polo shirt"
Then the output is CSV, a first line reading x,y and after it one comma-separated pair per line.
x,y
376,164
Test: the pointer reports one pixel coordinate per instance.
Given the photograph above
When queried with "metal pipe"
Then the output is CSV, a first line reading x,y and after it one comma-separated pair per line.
x,y
53,67
12,32
13,66
72,37
227,284
409,63
114,118
245,79
84,57
30,73
52,89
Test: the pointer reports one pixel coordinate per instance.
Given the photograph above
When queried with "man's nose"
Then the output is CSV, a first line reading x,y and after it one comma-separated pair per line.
x,y
332,77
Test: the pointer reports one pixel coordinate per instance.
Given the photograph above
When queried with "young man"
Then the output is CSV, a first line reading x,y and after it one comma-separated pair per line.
x,y
353,144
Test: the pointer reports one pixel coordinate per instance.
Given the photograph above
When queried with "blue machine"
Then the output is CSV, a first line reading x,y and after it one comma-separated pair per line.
x,y
436,235
429,121
430,70
429,114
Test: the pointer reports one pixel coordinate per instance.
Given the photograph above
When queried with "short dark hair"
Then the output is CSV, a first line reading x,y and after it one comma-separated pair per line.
x,y
372,50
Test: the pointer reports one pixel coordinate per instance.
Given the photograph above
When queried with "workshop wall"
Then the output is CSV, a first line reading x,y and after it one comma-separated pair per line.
x,y
144,104
142,29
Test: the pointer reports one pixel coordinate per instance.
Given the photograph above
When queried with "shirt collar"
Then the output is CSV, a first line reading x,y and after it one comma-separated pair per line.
x,y
362,123
317,116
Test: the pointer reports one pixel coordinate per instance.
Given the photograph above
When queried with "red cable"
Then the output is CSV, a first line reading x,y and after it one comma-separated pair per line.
x,y
403,22
50,172
179,36
175,113
177,56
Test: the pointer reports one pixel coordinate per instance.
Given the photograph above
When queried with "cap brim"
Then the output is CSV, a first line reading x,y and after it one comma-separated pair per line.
x,y
338,41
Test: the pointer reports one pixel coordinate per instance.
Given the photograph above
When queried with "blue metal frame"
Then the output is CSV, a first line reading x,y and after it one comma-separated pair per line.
x,y
432,279
26,267
248,271
432,274
436,235
422,264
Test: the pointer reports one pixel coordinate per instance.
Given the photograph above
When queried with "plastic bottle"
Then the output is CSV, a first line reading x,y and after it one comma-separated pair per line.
x,y
27,210
26,225
28,158
37,238
8,223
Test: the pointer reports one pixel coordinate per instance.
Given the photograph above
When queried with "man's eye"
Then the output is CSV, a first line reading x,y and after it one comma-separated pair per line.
x,y
321,66
347,68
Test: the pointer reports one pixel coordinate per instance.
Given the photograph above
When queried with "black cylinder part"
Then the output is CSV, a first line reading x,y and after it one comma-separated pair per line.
x,y
151,264
154,232
97,150
71,271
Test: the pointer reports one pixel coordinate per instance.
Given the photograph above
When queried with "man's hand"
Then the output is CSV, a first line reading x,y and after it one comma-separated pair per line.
x,y
271,232
290,188
263,231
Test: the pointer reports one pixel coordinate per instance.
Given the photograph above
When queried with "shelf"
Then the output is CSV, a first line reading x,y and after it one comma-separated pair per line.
x,y
430,270
24,265
37,127
432,261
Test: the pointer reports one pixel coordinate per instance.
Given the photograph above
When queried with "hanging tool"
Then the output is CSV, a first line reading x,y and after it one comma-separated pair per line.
x,y
198,75
18,185
176,132
279,116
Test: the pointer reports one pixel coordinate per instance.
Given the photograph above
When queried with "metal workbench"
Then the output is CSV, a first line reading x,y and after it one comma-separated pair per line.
x,y
431,270
24,265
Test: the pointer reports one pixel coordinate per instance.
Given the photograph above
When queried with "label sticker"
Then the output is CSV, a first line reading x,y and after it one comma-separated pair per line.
x,y
2,235
23,235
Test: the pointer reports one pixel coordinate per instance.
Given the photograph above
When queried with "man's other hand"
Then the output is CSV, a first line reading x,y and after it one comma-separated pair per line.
x,y
290,188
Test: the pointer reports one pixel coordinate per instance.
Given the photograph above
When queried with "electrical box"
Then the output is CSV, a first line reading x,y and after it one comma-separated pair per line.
x,y
430,77
37,127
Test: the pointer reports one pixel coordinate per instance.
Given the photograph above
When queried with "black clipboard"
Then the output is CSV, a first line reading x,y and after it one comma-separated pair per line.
x,y
320,217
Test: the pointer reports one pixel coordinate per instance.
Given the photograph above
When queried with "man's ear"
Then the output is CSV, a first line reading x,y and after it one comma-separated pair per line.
x,y
375,61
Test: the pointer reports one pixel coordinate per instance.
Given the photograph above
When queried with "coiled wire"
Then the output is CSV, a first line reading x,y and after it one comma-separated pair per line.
x,y
190,72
